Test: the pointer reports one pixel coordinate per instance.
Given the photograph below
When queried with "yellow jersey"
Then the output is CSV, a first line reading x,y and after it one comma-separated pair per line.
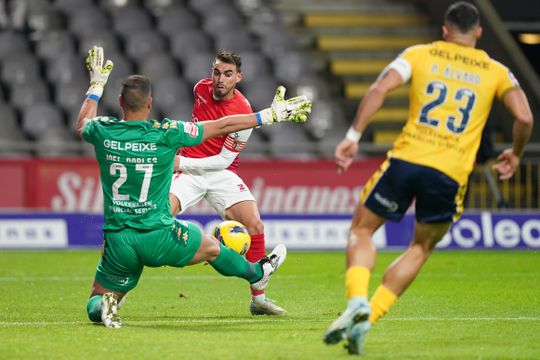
x,y
451,93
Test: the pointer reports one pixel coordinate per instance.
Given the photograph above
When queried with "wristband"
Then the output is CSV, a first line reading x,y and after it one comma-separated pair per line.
x,y
93,97
259,120
353,135
264,117
95,89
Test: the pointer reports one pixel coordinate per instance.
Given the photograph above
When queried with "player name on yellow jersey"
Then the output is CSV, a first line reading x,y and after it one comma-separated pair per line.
x,y
460,58
451,93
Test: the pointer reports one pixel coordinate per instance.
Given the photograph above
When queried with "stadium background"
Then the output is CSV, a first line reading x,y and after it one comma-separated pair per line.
x,y
329,50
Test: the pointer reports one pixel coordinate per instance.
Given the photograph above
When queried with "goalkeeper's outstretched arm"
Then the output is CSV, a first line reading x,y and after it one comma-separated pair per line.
x,y
294,110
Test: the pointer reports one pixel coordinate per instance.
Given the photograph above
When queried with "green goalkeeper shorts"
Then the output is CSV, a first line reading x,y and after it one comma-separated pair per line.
x,y
126,252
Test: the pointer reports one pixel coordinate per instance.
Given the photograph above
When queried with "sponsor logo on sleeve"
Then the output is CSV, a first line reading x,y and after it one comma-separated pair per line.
x,y
233,145
191,129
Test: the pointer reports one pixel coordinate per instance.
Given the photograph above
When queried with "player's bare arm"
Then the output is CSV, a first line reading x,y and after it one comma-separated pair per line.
x,y
229,124
370,104
99,72
88,111
508,161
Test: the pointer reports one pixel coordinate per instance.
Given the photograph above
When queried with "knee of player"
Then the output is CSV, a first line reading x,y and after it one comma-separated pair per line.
x,y
255,227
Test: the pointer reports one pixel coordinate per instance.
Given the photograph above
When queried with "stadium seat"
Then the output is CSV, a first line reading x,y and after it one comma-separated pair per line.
x,y
112,5
290,139
236,40
41,20
160,7
169,91
55,42
144,43
189,42
171,41
260,91
110,97
126,20
69,7
13,143
202,6
197,66
13,44
123,67
20,70
9,119
291,67
181,110
87,20
57,142
87,149
38,5
324,116
66,69
264,20
254,64
216,23
158,67
25,95
39,117
259,11
104,38
326,146
278,42
249,7
175,20
311,86
70,96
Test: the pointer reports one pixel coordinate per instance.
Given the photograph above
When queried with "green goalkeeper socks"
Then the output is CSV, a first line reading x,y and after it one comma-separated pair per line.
x,y
93,308
230,263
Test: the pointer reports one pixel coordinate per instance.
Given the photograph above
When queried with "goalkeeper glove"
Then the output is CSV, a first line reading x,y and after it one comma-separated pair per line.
x,y
295,109
97,71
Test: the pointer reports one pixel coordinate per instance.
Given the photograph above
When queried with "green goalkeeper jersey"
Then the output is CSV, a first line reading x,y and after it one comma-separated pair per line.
x,y
136,160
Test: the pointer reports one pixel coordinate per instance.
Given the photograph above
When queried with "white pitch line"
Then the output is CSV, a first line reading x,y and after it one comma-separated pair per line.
x,y
253,321
218,277
149,277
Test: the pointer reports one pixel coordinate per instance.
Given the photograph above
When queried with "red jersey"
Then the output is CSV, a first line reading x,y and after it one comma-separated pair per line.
x,y
207,108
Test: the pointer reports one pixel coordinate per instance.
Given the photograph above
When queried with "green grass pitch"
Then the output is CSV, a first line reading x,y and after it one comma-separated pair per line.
x,y
463,305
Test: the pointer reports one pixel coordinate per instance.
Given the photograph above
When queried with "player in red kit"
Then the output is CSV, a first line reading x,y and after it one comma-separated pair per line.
x,y
209,170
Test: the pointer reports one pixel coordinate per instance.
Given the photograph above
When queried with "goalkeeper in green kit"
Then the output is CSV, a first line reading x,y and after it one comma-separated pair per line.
x,y
136,159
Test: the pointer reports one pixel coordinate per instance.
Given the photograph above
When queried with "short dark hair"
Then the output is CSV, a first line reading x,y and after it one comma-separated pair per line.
x,y
229,57
463,15
135,92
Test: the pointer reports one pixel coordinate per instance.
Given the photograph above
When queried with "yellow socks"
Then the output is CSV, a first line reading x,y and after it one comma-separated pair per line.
x,y
357,281
381,302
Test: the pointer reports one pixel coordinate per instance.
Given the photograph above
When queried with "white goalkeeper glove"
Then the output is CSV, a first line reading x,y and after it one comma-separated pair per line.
x,y
97,71
295,109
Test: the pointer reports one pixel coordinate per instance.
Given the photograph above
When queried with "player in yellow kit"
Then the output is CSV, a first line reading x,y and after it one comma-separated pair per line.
x,y
452,88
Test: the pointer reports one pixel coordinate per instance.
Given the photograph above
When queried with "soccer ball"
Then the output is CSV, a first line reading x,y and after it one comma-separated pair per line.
x,y
234,235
